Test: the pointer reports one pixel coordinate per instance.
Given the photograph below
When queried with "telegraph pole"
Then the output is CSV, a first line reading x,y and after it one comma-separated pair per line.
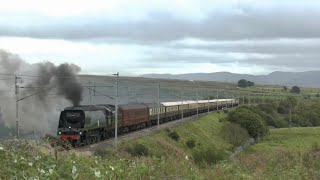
x,y
226,97
232,101
90,99
243,100
158,104
17,106
197,102
208,101
217,100
181,94
116,109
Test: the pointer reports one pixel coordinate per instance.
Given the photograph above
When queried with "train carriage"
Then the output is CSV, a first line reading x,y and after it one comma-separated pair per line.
x,y
133,116
172,110
154,110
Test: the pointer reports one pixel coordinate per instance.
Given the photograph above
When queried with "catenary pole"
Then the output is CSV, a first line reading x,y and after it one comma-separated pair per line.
x,y
158,104
17,106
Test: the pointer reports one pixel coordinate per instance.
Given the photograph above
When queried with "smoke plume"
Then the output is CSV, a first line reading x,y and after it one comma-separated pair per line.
x,y
63,78
48,88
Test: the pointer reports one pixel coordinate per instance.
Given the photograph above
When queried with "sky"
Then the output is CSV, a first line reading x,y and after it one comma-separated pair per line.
x,y
165,36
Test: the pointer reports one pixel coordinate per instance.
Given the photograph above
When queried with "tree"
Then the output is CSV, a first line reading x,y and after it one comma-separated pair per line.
x,y
285,88
295,89
242,83
249,120
250,84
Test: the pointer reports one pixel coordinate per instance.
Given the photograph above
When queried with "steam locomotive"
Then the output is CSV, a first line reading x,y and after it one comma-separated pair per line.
x,y
84,125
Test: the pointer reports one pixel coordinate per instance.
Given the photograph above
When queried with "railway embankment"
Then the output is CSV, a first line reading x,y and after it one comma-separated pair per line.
x,y
198,149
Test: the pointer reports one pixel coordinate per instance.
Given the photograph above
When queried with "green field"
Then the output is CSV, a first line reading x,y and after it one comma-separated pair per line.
x,y
284,154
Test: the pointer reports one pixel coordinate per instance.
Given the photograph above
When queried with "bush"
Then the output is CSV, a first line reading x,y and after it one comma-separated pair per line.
x,y
138,150
173,135
249,120
267,107
234,134
209,156
102,152
191,143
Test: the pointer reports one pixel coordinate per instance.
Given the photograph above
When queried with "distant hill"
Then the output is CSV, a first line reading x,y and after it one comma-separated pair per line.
x,y
304,79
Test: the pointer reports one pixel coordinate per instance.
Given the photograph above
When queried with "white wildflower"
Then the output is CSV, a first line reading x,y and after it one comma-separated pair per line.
x,y
187,158
112,168
51,171
15,161
74,169
22,158
30,164
1,148
73,162
37,158
42,171
106,172
97,174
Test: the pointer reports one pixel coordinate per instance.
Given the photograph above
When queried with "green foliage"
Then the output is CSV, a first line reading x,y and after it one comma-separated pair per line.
x,y
250,120
234,134
174,135
285,88
287,104
267,107
299,121
244,83
138,150
104,153
191,143
295,89
208,156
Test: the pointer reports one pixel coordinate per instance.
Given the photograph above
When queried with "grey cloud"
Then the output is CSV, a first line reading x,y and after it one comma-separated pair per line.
x,y
253,22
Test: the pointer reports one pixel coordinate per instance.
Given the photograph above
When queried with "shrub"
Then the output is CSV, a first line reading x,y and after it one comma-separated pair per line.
x,y
102,152
267,107
191,143
234,134
209,155
138,150
249,120
167,130
174,135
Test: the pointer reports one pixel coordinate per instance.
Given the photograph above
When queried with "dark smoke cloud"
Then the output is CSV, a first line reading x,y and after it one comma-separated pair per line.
x,y
68,84
39,113
63,78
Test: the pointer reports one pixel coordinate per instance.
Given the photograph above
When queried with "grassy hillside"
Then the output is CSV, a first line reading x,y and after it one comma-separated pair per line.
x,y
205,133
283,154
166,157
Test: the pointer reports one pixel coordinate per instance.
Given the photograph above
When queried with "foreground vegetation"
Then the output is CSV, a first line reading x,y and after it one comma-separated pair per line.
x,y
196,150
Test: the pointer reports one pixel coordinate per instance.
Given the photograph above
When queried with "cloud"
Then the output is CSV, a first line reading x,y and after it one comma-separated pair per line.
x,y
136,37
248,20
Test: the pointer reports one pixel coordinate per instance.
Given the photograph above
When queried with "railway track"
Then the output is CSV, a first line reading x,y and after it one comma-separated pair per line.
x,y
110,143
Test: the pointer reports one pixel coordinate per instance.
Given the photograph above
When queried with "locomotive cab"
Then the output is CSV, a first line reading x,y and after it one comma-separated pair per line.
x,y
72,119
84,124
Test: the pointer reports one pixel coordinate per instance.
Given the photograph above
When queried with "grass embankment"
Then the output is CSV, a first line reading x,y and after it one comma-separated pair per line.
x,y
283,154
203,132
165,157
